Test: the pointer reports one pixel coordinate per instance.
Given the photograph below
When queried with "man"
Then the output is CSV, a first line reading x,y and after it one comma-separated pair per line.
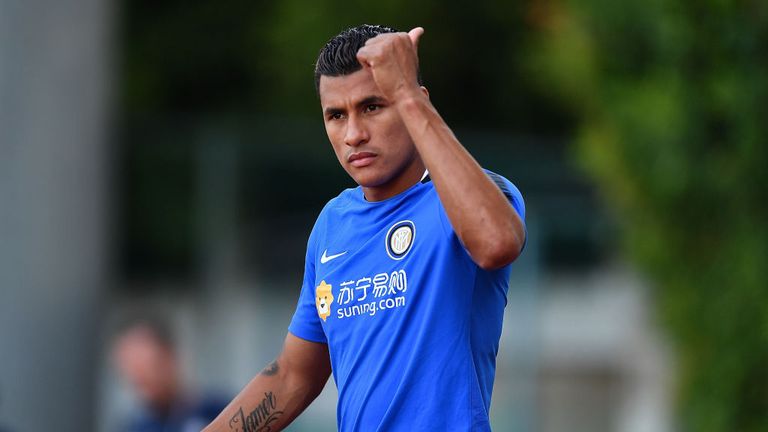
x,y
406,276
145,355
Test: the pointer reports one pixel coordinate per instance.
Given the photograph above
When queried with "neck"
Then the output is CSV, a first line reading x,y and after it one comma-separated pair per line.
x,y
409,177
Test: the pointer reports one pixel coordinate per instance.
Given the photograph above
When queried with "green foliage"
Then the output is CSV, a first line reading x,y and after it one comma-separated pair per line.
x,y
673,101
239,73
246,57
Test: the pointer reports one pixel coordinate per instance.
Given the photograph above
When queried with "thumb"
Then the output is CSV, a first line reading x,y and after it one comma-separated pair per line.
x,y
415,35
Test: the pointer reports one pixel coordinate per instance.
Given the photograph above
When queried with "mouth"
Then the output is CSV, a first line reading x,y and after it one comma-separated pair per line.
x,y
361,159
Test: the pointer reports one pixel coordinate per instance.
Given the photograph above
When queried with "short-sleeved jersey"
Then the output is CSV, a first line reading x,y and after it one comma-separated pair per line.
x,y
411,322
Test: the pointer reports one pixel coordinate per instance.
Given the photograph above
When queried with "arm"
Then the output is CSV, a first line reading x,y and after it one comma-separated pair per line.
x,y
484,220
280,392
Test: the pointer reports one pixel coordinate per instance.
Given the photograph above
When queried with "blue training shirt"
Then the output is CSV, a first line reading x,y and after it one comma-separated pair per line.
x,y
411,322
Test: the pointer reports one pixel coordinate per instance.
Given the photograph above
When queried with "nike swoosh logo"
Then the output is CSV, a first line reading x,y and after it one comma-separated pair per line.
x,y
324,259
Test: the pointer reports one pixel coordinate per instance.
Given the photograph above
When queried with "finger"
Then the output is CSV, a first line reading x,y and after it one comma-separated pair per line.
x,y
415,35
364,57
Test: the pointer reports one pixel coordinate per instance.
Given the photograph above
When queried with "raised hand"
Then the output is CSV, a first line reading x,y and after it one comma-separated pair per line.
x,y
392,59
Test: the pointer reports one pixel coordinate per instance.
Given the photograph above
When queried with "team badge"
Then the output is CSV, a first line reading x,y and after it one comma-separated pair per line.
x,y
400,238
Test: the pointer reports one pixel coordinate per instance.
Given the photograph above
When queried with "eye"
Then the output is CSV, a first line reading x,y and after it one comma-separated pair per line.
x,y
372,107
335,116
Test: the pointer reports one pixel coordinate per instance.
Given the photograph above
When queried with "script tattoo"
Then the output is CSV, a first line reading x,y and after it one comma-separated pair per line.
x,y
271,369
260,419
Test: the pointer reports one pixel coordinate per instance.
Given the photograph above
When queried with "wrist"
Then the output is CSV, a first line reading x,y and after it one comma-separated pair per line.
x,y
410,99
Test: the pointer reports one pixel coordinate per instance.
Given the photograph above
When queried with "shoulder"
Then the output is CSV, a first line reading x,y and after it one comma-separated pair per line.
x,y
331,212
341,202
503,183
509,190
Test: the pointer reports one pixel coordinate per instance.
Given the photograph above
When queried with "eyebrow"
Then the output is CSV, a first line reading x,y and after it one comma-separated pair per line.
x,y
368,100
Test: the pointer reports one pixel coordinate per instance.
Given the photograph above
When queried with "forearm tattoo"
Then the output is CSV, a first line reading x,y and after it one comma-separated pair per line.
x,y
260,419
271,369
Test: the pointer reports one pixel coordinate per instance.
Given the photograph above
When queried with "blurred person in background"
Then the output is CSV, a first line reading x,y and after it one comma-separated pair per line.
x,y
408,324
145,356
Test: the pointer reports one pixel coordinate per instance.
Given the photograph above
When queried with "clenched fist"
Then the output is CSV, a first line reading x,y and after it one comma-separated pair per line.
x,y
392,59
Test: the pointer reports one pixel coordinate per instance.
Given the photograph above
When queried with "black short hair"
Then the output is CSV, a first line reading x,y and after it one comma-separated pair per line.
x,y
339,55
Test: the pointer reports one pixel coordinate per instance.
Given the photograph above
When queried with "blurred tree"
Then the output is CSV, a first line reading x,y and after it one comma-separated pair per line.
x,y
673,100
190,57
242,69
258,57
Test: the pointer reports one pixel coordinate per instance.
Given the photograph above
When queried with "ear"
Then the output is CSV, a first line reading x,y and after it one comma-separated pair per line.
x,y
425,91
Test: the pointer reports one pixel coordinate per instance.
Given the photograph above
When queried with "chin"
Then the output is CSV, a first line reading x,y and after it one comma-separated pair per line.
x,y
369,179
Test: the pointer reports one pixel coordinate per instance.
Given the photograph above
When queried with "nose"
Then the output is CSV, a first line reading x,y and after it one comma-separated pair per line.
x,y
356,133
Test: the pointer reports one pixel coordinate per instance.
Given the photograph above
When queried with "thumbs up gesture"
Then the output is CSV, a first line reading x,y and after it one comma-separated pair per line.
x,y
392,59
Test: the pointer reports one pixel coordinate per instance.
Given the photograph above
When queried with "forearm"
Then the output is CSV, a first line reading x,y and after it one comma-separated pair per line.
x,y
482,217
268,403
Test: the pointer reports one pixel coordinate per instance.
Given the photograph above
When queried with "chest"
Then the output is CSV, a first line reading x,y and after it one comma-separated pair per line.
x,y
378,274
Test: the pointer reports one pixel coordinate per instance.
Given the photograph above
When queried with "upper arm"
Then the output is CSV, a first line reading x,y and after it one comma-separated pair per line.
x,y
306,323
511,193
280,392
503,241
515,198
306,361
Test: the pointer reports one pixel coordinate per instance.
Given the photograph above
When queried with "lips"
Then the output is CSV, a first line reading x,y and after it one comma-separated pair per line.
x,y
361,159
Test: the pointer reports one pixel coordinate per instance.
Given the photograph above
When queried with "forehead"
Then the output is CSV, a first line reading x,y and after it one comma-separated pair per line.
x,y
338,91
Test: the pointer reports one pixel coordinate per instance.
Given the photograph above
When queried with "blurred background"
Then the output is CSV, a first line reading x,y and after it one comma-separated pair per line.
x,y
170,155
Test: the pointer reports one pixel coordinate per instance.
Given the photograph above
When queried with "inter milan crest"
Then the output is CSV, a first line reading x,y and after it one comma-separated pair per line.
x,y
400,238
